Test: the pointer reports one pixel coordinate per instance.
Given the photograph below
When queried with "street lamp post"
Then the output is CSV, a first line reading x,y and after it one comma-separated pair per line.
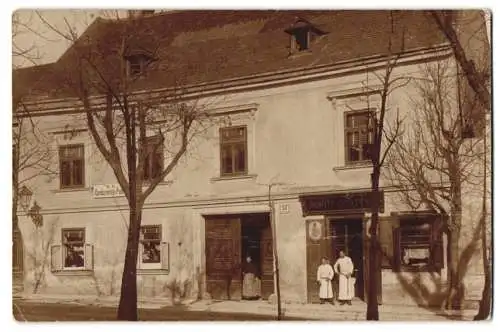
x,y
25,195
275,245
275,250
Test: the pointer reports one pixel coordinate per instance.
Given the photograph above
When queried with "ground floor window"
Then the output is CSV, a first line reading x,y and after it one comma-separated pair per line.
x,y
418,244
153,252
73,241
74,253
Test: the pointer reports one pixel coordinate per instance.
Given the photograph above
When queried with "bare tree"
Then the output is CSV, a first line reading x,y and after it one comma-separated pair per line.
x,y
31,153
21,25
434,162
130,130
474,62
469,39
384,134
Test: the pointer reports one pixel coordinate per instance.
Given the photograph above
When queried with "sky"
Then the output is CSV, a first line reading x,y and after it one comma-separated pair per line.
x,y
46,44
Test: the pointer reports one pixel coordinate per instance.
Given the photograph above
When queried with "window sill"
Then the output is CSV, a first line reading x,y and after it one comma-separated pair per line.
x,y
152,271
64,190
353,166
297,53
70,272
233,177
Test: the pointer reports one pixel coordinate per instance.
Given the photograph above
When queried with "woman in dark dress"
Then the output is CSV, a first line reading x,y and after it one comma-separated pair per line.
x,y
251,281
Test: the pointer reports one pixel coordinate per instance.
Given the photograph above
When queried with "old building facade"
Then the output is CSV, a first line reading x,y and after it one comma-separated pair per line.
x,y
293,91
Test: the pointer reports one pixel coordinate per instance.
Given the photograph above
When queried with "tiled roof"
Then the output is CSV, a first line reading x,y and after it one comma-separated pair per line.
x,y
195,47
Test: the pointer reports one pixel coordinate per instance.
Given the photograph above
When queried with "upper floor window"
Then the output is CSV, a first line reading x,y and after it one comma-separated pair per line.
x,y
153,162
71,166
418,245
233,151
358,136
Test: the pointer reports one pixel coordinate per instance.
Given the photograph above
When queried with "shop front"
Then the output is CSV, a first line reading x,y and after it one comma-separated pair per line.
x,y
337,222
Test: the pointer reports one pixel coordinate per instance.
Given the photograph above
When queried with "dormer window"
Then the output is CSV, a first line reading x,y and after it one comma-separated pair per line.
x,y
137,64
302,33
301,40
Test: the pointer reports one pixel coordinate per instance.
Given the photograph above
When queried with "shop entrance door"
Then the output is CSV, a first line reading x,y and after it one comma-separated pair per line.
x,y
347,235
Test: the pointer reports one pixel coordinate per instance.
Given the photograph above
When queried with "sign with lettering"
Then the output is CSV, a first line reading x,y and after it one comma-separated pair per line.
x,y
338,203
107,190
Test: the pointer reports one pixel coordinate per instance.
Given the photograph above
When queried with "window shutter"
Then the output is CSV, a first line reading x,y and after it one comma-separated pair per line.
x,y
138,265
396,257
89,257
437,256
437,252
55,258
165,256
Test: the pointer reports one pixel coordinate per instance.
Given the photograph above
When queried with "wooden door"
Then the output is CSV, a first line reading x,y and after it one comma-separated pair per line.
x,y
223,258
317,247
267,262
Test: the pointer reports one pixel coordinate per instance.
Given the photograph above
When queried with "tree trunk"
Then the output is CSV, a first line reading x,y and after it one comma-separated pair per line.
x,y
484,311
127,308
372,303
455,290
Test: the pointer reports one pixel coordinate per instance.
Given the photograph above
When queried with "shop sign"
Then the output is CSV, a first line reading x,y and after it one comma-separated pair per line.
x,y
107,191
339,203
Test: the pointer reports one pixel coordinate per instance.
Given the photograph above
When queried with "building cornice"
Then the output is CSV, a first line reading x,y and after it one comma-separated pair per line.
x,y
290,193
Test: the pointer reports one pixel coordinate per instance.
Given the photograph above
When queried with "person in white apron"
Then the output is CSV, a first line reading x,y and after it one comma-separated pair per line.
x,y
324,276
344,268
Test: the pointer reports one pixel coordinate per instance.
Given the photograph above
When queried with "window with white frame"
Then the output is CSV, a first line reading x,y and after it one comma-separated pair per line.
x,y
153,252
74,253
73,241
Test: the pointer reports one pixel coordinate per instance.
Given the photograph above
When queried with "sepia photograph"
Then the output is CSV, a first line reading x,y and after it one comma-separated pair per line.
x,y
251,165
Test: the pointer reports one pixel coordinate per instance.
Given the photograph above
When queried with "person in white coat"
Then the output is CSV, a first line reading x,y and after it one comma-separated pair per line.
x,y
344,268
324,276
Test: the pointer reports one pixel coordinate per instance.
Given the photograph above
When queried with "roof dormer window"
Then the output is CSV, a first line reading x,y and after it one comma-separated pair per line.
x,y
137,64
302,33
301,40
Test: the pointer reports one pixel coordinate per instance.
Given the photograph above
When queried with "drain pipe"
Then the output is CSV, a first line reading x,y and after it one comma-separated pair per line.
x,y
275,251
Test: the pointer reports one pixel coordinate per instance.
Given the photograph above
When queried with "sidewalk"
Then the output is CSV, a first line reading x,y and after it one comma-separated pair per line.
x,y
305,311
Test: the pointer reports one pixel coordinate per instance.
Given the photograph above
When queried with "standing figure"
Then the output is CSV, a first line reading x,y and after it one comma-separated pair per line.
x,y
324,277
344,268
251,281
